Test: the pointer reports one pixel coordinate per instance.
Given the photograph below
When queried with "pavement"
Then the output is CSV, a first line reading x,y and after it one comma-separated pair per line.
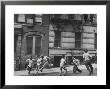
x,y
55,71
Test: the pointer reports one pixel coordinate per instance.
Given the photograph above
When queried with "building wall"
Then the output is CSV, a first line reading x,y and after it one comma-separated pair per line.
x,y
22,30
88,37
68,38
68,47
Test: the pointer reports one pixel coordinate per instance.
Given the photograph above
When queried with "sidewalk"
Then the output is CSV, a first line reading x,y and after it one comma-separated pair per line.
x,y
51,70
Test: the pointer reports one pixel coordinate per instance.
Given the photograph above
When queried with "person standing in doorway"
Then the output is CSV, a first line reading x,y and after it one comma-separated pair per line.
x,y
63,65
87,60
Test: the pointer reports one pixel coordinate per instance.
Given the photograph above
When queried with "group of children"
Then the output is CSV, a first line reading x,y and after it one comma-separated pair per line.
x,y
40,61
87,61
43,60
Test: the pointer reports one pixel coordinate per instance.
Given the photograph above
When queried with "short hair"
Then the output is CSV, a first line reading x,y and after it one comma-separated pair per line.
x,y
42,56
85,50
31,57
63,56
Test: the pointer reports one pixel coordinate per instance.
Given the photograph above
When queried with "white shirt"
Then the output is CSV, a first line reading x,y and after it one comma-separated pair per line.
x,y
30,62
62,62
39,61
86,56
76,61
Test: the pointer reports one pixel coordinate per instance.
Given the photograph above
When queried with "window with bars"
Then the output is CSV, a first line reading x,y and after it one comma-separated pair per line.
x,y
57,39
78,40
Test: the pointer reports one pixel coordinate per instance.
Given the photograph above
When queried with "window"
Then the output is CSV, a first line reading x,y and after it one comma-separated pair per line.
x,y
15,42
57,40
15,18
95,41
85,18
20,18
91,18
29,44
38,45
78,40
38,18
30,18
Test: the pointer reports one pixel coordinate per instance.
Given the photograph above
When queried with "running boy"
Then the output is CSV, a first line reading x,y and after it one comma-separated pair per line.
x,y
62,65
29,67
75,67
87,58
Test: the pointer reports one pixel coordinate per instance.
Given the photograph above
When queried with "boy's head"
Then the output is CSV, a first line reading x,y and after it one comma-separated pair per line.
x,y
63,56
85,50
42,57
31,57
73,57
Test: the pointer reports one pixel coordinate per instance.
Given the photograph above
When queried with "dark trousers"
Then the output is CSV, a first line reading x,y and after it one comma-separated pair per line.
x,y
89,66
29,69
75,68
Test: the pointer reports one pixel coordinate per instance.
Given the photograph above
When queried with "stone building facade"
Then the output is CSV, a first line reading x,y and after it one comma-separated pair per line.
x,y
31,32
53,35
70,34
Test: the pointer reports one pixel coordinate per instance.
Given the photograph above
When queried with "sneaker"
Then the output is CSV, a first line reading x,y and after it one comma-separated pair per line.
x,y
59,74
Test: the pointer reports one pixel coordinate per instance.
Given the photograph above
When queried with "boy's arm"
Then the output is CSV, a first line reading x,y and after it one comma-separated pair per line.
x,y
90,56
27,60
83,57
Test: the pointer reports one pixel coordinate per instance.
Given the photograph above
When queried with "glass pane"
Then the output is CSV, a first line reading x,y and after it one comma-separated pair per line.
x,y
29,44
78,40
78,44
30,21
38,45
15,43
21,18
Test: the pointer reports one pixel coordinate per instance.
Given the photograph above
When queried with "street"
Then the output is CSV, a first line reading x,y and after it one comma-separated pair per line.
x,y
55,72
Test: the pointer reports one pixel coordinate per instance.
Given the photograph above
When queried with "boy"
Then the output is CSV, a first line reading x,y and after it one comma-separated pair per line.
x,y
75,67
87,58
39,63
62,65
29,67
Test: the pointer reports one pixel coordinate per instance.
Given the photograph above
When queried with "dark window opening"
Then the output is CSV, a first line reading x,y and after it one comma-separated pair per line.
x,y
57,61
30,18
85,18
57,40
15,18
29,44
15,43
38,45
77,40
91,18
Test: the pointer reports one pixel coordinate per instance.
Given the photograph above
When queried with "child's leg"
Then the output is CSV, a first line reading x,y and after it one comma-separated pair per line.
x,y
65,69
60,71
29,69
91,68
78,69
74,69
